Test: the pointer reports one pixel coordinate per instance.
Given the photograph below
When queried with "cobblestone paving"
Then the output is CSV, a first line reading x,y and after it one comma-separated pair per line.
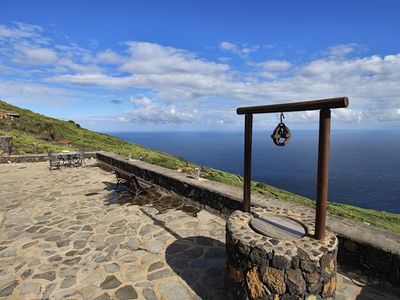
x,y
67,235
64,236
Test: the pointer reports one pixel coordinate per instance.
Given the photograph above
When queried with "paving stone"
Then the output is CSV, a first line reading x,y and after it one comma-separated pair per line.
x,y
79,244
26,274
103,297
110,282
68,282
87,228
49,289
118,223
64,294
126,292
50,276
73,261
111,268
128,258
155,266
55,258
116,230
28,245
149,294
153,246
8,289
132,244
160,274
63,243
29,287
173,291
68,271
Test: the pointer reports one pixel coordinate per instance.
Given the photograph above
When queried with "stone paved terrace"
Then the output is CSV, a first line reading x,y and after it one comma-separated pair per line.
x,y
68,235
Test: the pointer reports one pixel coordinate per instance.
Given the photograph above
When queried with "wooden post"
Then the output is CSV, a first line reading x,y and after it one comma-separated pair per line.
x,y
322,177
248,132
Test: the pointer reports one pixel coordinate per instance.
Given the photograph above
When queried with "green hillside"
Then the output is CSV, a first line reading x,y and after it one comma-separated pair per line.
x,y
35,133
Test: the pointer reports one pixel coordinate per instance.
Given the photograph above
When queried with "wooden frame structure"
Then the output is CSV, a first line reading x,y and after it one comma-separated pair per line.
x,y
324,106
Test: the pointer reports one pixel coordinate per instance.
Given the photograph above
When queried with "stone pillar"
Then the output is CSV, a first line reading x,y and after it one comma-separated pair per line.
x,y
261,267
6,145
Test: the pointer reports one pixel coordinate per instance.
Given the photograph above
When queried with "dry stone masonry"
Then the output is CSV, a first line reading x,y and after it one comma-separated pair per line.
x,y
261,267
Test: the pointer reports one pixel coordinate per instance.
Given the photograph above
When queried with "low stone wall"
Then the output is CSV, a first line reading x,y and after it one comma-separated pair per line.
x,y
26,158
182,184
360,245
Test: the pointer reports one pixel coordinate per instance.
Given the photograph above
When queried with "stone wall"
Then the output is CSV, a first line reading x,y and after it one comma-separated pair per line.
x,y
362,246
261,267
6,143
33,158
179,183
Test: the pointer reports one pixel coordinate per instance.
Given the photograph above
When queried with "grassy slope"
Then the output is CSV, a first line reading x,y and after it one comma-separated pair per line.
x,y
29,131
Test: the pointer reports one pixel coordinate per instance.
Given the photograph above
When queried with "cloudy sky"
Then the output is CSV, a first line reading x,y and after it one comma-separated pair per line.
x,y
186,65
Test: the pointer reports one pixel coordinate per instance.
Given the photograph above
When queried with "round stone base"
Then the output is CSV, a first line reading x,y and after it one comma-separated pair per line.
x,y
261,266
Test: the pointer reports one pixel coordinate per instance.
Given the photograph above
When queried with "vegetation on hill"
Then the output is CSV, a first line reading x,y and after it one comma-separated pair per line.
x,y
35,133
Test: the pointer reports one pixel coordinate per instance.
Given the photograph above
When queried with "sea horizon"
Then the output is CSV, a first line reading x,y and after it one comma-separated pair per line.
x,y
357,177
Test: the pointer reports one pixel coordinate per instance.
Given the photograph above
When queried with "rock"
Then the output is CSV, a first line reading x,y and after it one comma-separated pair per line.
x,y
308,265
118,223
129,258
50,276
26,274
275,280
8,289
329,288
62,243
29,287
126,292
155,266
149,294
121,252
153,246
173,291
256,288
65,272
312,278
26,246
49,289
103,297
79,244
295,282
235,274
132,244
281,262
87,228
65,294
111,268
73,261
110,282
55,258
116,230
160,274
68,282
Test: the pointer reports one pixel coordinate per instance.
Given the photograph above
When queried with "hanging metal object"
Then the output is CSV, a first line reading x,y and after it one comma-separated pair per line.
x,y
281,134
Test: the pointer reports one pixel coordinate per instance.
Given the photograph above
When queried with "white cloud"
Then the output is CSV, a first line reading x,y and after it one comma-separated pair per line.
x,y
342,50
243,50
182,81
33,56
150,58
275,65
109,57
140,100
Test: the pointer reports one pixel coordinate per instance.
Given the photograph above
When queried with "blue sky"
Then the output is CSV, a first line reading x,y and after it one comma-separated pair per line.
x,y
187,65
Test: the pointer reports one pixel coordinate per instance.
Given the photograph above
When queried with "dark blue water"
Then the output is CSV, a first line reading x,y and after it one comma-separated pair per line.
x,y
364,165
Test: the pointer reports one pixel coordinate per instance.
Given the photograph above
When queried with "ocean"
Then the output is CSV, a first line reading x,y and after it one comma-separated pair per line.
x,y
364,168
